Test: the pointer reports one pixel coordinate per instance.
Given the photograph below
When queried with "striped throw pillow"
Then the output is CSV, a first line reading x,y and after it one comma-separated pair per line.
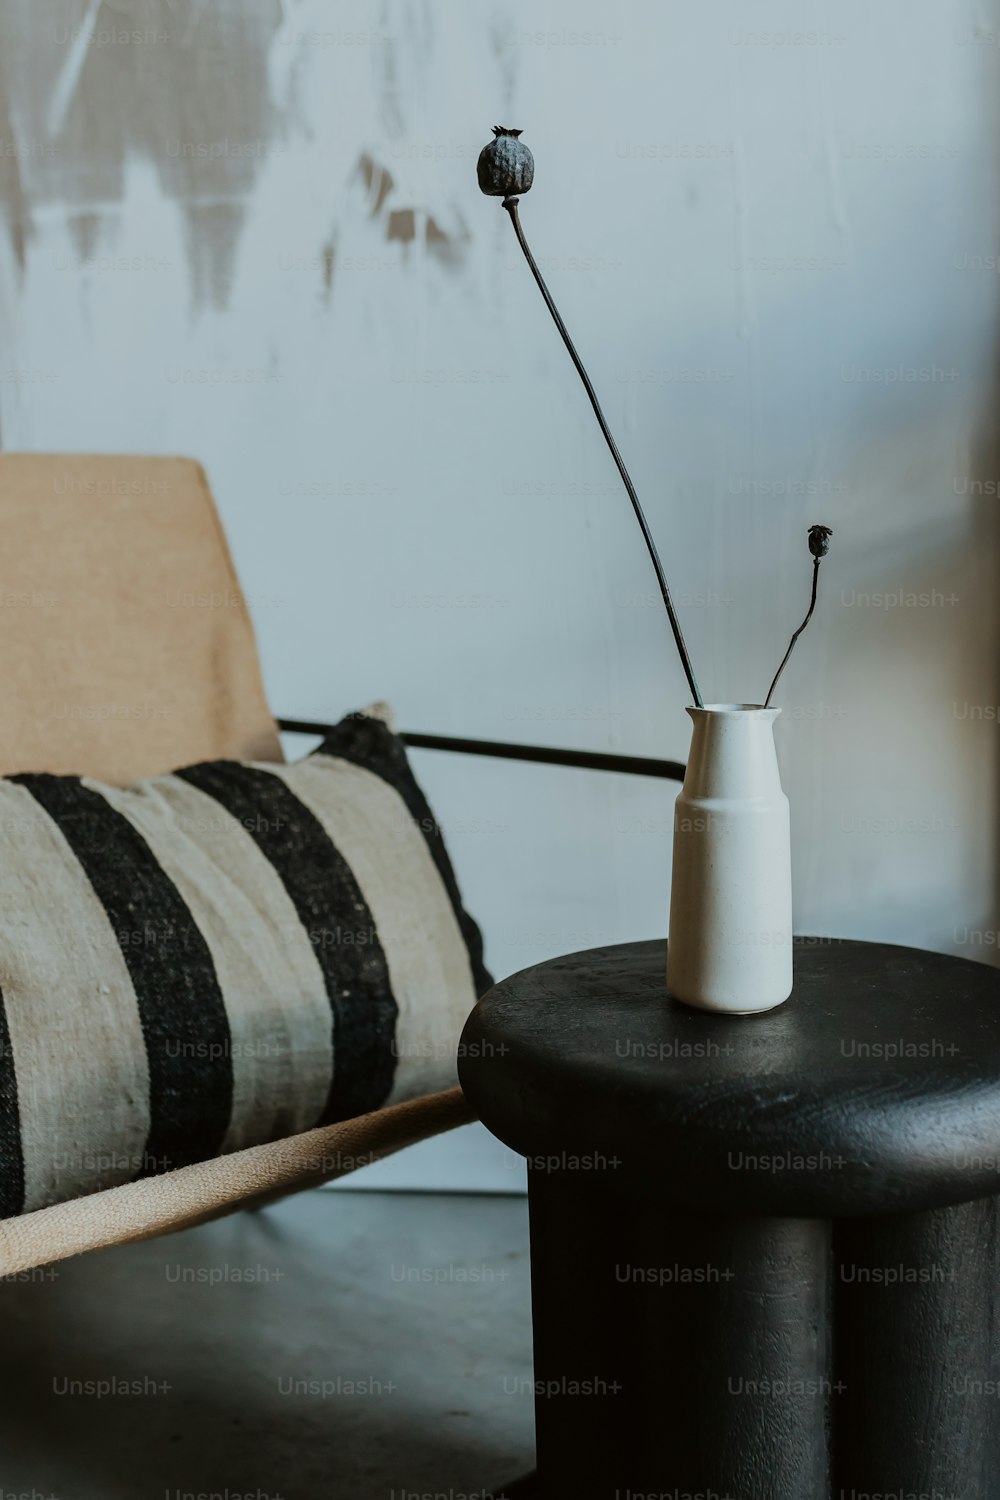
x,y
217,958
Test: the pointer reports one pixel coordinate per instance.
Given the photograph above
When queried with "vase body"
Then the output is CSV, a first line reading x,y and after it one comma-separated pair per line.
x,y
730,947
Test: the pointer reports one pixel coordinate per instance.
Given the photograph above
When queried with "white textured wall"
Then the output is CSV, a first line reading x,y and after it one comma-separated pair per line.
x,y
250,231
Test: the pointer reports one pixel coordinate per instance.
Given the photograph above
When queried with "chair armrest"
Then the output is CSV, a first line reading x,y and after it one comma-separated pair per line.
x,y
588,760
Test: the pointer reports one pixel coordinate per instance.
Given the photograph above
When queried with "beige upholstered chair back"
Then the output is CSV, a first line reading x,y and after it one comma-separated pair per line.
x,y
126,647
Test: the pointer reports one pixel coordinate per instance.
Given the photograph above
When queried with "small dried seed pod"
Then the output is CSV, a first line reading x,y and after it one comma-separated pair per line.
x,y
506,167
819,540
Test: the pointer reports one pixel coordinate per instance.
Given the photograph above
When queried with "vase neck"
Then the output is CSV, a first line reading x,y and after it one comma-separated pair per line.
x,y
732,753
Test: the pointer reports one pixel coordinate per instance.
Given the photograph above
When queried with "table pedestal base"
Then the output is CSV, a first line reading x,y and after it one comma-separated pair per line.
x,y
917,1305
714,1356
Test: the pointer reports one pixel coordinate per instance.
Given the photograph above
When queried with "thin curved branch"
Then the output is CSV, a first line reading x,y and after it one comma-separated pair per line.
x,y
510,204
791,643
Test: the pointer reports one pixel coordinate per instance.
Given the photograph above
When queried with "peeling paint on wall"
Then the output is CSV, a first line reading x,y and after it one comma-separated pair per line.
x,y
182,86
86,86
405,225
377,180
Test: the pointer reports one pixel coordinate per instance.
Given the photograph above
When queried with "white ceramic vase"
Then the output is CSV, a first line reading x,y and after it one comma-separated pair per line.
x,y
730,945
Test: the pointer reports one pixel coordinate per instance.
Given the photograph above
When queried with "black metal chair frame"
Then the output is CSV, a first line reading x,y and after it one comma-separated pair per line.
x,y
587,760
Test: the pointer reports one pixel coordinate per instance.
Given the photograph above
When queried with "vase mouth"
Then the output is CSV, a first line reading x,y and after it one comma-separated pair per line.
x,y
734,711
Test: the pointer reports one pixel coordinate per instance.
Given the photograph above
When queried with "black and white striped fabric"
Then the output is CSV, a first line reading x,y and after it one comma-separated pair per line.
x,y
218,958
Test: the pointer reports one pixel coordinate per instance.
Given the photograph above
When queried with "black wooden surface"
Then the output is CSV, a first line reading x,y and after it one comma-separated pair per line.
x,y
525,1488
874,1089
917,1299
663,1346
765,1261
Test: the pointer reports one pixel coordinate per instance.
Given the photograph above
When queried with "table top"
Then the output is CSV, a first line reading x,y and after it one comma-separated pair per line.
x,y
874,1089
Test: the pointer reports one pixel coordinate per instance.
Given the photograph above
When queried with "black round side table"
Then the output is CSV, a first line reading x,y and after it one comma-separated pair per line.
x,y
765,1250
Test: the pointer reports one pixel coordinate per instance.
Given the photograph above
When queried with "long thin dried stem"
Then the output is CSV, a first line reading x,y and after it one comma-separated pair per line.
x,y
791,643
510,204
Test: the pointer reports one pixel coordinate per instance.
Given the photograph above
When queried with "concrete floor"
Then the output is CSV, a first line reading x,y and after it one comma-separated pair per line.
x,y
373,1346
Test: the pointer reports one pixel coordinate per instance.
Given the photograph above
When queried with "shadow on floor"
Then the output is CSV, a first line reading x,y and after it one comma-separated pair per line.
x,y
363,1344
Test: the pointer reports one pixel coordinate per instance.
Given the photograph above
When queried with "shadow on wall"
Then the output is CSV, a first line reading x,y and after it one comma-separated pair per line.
x,y
984,482
984,479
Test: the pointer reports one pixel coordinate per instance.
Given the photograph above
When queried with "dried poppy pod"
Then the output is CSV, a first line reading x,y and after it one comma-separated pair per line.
x,y
819,540
819,546
506,167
